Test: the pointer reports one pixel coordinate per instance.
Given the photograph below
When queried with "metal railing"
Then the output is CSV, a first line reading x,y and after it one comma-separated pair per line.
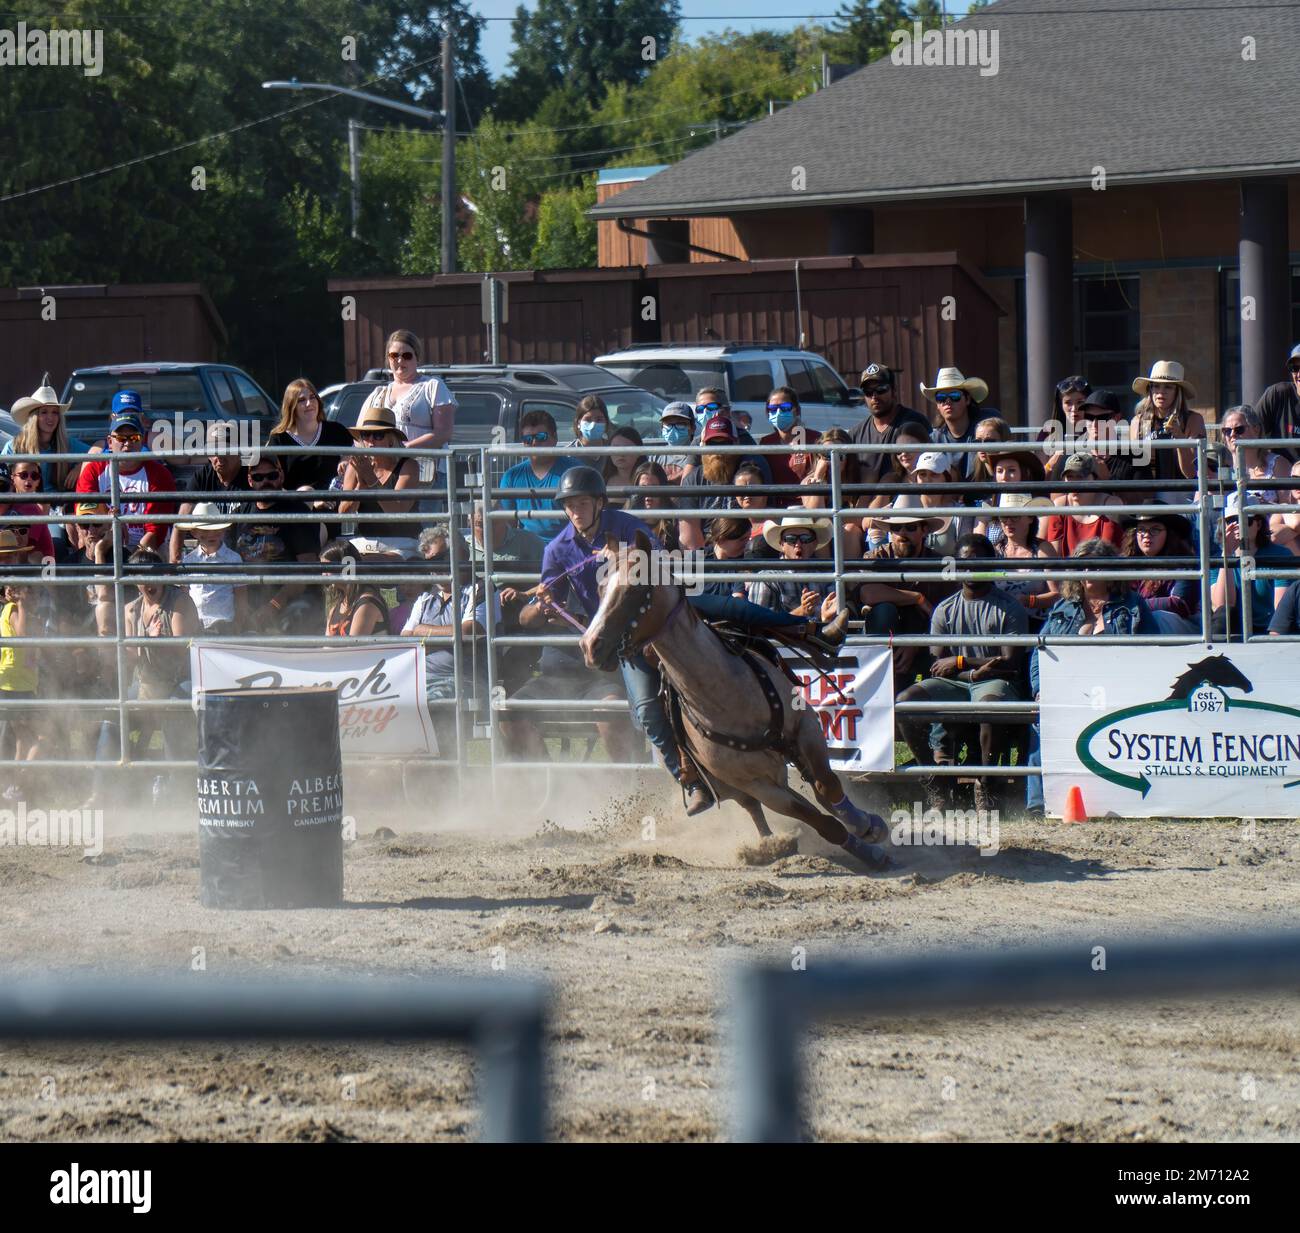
x,y
479,702
503,1019
773,1006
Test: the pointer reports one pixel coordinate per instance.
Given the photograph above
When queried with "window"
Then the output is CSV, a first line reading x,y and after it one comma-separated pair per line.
x,y
751,381
634,408
1230,333
254,400
799,379
223,392
478,412
830,389
669,379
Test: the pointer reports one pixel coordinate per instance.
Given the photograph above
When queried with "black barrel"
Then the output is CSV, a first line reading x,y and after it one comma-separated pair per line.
x,y
270,799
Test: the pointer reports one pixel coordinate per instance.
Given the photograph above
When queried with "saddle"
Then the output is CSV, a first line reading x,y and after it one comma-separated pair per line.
x,y
752,650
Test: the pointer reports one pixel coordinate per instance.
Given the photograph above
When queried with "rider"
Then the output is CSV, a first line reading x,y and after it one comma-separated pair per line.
x,y
570,560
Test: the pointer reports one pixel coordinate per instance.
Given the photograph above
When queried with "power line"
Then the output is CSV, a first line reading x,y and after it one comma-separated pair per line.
x,y
188,145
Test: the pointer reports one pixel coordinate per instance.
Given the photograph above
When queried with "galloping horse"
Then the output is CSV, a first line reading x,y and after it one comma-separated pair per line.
x,y
738,714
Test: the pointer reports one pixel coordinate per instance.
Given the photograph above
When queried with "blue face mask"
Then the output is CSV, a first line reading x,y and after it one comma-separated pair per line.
x,y
782,421
592,430
677,434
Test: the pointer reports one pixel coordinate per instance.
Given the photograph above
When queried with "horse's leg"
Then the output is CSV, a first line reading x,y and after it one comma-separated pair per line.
x,y
755,810
830,792
785,800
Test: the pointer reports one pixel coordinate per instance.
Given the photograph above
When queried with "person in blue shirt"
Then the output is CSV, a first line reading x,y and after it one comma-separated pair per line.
x,y
1225,585
537,428
569,564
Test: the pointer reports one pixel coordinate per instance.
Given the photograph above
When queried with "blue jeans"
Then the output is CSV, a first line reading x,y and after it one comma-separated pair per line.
x,y
1034,783
741,612
642,682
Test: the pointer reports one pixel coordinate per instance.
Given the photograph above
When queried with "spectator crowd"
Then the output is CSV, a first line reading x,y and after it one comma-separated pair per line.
x,y
945,543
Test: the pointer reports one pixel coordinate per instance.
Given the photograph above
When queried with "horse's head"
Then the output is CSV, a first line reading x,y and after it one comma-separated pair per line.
x,y
632,608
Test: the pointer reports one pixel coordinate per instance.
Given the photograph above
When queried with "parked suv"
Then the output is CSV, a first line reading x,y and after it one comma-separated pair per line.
x,y
748,371
495,396
197,391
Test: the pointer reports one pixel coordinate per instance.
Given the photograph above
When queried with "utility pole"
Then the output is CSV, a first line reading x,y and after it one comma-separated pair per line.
x,y
448,155
354,173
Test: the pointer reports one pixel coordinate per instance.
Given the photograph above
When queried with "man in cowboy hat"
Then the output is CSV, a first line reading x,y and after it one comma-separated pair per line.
x,y
1279,405
958,400
886,415
798,538
905,608
222,607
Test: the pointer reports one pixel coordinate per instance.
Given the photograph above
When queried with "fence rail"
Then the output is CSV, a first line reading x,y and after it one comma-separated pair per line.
x,y
472,475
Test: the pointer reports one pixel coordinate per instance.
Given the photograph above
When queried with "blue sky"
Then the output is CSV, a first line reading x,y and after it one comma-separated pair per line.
x,y
496,35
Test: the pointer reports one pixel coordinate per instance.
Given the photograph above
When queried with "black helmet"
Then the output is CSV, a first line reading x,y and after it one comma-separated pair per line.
x,y
580,482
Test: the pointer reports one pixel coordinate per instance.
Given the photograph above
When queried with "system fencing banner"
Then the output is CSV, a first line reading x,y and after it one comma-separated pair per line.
x,y
855,702
381,688
1170,732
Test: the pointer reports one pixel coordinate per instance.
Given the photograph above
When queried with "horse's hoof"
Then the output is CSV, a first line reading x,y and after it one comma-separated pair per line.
x,y
870,854
876,831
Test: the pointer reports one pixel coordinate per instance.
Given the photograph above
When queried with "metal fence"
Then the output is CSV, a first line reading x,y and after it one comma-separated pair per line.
x,y
773,1006
504,1019
480,703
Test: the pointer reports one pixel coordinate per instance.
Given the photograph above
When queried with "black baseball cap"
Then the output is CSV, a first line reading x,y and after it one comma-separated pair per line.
x,y
1106,400
878,373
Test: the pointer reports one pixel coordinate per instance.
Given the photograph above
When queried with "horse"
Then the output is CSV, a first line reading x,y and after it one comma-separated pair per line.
x,y
1216,670
722,694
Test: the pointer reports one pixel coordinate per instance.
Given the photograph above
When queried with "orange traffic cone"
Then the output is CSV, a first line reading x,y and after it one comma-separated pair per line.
x,y
1074,810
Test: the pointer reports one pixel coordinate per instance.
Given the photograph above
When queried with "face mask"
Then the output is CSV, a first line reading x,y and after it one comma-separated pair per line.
x,y
677,434
782,421
592,430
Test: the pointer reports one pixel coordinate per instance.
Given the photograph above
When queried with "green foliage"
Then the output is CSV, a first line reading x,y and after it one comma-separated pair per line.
x,y
566,237
860,33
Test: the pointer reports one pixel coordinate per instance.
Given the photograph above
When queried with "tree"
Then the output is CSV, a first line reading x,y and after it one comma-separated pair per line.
x,y
861,30
586,44
416,40
566,237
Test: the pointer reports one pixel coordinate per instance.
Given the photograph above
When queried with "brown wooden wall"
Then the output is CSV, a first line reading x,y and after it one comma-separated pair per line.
x,y
101,325
855,310
555,316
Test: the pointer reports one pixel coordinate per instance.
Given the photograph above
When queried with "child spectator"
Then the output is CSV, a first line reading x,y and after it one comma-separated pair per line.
x,y
222,606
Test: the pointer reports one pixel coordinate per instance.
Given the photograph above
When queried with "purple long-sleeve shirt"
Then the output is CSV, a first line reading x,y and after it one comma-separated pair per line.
x,y
568,548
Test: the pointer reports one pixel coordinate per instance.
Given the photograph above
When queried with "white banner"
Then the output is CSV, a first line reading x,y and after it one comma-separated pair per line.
x,y
1172,732
381,688
855,702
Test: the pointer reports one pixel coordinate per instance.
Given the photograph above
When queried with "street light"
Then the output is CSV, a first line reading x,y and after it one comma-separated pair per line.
x,y
354,149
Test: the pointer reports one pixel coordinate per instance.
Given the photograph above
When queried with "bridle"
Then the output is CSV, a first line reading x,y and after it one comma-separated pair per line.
x,y
629,645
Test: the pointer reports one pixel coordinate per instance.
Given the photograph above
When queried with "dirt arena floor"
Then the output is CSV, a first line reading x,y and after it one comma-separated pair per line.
x,y
637,935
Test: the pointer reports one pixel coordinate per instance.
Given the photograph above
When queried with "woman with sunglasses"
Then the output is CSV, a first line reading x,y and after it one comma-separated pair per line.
x,y
37,537
786,417
424,409
381,469
1242,424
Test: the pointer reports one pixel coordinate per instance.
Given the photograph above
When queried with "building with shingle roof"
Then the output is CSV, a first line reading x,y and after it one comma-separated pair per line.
x,y
1121,173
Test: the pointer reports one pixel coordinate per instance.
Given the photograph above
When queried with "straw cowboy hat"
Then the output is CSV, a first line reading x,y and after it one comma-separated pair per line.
x,y
951,379
42,397
9,546
796,520
377,419
906,510
1166,372
206,517
1018,505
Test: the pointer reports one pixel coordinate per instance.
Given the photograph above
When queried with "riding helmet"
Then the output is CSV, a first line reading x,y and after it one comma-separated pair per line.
x,y
580,482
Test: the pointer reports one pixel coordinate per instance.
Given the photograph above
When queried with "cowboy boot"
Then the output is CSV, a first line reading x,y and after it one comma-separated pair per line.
x,y
698,798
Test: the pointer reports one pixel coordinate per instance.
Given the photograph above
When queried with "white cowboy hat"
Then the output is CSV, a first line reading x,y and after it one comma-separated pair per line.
x,y
1167,372
796,520
206,517
951,379
907,509
42,397
1020,502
